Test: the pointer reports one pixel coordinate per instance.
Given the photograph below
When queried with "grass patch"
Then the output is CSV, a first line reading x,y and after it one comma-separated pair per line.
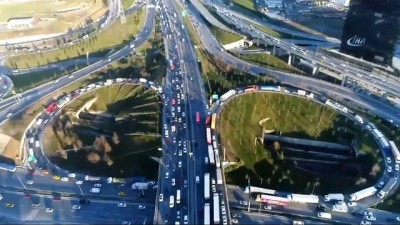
x,y
114,37
247,4
225,37
294,117
108,146
127,3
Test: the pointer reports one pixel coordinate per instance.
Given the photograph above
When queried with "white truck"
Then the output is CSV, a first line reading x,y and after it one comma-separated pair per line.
x,y
388,186
227,95
219,176
116,180
91,178
303,198
38,122
142,80
334,197
216,207
324,215
362,194
132,46
206,214
140,185
207,186
301,92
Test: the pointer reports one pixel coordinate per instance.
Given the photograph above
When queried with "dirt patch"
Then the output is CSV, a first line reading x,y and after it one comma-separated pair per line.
x,y
4,139
11,150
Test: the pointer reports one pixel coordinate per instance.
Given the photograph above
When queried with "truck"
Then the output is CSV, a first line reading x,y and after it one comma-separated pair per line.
x,y
206,214
206,186
91,178
395,151
219,176
208,135
116,180
301,92
324,215
140,185
171,65
227,95
388,186
362,194
217,219
51,108
303,198
334,197
132,46
270,88
182,26
142,80
211,155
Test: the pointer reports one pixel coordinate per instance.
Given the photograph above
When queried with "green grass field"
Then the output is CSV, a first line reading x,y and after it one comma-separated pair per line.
x,y
138,112
225,37
127,3
114,37
247,4
293,117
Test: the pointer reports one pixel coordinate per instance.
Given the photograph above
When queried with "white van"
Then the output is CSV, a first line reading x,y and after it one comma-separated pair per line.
x,y
178,196
95,190
171,201
324,215
197,179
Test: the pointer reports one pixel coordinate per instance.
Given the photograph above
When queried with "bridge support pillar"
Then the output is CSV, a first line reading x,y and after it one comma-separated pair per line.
x,y
274,50
315,70
384,96
290,59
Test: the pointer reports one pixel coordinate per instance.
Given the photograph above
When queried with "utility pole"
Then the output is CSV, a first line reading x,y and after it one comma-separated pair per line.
x,y
121,12
248,182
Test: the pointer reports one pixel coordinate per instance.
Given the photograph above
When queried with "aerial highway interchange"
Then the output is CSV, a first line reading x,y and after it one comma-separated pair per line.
x,y
45,193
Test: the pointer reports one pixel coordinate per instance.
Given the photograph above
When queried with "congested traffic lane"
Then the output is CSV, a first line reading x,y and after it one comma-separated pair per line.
x,y
16,208
34,95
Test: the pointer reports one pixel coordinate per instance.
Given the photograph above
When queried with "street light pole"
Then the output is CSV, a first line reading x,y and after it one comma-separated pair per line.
x,y
248,182
80,189
22,183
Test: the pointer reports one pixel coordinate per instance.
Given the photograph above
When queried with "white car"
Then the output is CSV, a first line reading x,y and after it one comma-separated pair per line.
x,y
161,198
397,167
165,126
64,179
185,219
122,205
223,209
166,175
97,185
388,160
173,181
72,175
29,182
242,202
76,207
180,164
213,181
142,207
49,210
213,188
365,223
180,152
45,121
389,169
79,182
372,218
234,220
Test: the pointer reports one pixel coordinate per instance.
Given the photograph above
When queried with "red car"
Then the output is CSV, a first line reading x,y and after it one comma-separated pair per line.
x,y
27,195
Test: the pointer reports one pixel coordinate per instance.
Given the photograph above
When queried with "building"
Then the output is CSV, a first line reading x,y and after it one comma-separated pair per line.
x,y
273,4
20,23
372,30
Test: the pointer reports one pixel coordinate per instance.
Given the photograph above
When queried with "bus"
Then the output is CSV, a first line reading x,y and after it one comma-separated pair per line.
x,y
207,214
395,151
271,199
197,117
7,167
206,186
178,196
213,121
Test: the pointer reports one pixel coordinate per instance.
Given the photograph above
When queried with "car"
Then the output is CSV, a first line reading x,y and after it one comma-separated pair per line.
x,y
235,215
26,195
388,160
223,209
397,167
369,217
161,198
352,203
78,182
180,152
180,164
234,220
142,207
126,223
243,202
122,193
363,222
72,175
173,181
49,210
1,197
178,215
213,188
185,219
166,175
224,220
268,207
213,181
9,114
179,143
56,198
98,185
165,126
185,183
184,149
29,182
64,179
45,172
56,177
76,207
389,169
367,213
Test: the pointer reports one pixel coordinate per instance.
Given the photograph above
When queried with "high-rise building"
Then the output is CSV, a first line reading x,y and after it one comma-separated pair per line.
x,y
372,30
